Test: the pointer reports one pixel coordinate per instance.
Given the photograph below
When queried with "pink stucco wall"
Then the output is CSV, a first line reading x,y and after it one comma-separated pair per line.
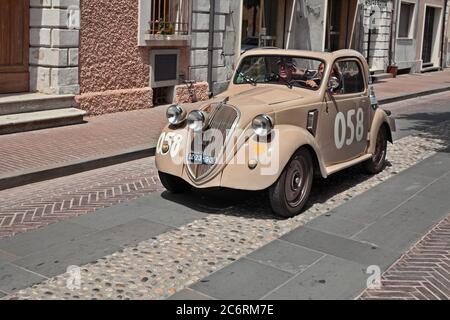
x,y
114,71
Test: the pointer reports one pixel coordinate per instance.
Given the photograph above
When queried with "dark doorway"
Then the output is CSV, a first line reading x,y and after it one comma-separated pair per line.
x,y
428,35
340,24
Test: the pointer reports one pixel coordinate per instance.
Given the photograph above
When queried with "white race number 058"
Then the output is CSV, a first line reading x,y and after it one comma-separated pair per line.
x,y
342,123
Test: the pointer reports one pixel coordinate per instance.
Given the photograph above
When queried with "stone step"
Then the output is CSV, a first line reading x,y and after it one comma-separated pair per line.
x,y
430,69
28,121
380,76
33,102
427,65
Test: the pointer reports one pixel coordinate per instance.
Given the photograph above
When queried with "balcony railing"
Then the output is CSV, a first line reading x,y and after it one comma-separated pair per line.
x,y
170,17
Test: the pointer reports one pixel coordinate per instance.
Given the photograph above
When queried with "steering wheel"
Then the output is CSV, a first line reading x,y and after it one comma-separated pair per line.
x,y
271,77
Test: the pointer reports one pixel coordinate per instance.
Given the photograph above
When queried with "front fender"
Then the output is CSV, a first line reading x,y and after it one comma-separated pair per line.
x,y
272,157
380,118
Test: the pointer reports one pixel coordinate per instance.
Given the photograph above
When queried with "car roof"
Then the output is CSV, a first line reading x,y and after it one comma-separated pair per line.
x,y
328,57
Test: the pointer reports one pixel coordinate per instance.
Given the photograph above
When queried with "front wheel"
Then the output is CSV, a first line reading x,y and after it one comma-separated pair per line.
x,y
377,163
173,184
290,193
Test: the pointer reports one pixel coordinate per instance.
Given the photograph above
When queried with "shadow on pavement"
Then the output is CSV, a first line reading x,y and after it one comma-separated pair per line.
x,y
432,125
256,204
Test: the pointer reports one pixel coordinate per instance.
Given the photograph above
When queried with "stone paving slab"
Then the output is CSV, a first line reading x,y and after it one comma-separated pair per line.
x,y
342,227
154,208
30,242
372,205
436,167
345,248
285,256
329,278
6,257
131,233
56,259
242,280
189,294
13,278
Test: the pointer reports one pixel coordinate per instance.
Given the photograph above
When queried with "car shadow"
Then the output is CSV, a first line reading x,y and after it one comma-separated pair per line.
x,y
256,204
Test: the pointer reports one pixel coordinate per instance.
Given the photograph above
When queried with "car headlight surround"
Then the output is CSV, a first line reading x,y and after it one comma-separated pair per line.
x,y
262,125
175,114
196,120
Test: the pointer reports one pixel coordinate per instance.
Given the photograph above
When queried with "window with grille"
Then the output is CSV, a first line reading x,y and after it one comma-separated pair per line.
x,y
170,17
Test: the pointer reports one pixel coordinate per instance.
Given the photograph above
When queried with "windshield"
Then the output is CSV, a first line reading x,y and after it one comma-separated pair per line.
x,y
283,70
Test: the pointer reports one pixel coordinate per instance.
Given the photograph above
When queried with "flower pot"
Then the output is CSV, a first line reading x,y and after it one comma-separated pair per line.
x,y
392,70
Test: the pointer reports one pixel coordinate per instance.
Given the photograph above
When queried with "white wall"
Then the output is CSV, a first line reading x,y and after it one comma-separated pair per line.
x,y
54,43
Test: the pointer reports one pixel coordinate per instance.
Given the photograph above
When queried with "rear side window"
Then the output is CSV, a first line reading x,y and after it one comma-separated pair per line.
x,y
352,77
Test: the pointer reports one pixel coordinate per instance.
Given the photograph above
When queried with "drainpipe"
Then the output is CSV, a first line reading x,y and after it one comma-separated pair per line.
x,y
212,9
369,37
443,35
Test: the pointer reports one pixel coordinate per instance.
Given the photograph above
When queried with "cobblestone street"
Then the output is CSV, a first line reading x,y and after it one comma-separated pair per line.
x,y
217,227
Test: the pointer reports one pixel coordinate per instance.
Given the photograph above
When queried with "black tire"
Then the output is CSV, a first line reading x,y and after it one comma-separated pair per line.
x,y
173,184
289,194
377,163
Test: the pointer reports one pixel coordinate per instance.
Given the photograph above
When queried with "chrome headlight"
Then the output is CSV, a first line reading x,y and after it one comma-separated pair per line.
x,y
262,125
196,120
175,114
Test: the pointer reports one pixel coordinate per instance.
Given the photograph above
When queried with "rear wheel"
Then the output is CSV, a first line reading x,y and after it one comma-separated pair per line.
x,y
378,161
290,193
173,184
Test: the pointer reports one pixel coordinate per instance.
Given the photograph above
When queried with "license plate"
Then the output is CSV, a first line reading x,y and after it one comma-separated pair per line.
x,y
196,158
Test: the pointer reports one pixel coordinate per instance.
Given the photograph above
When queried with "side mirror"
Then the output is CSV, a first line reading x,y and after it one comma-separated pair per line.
x,y
333,84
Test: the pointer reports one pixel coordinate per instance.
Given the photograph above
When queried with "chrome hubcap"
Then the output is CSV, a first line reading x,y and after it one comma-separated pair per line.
x,y
296,179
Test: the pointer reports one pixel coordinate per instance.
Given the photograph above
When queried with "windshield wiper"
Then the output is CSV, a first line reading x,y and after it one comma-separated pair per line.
x,y
247,78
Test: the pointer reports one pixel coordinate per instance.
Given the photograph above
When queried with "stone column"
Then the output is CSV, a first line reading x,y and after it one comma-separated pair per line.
x,y
226,30
54,43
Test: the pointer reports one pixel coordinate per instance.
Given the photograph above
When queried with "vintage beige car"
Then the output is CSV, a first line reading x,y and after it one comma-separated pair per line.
x,y
286,117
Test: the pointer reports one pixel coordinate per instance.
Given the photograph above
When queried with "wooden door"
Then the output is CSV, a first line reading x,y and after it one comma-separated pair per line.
x,y
14,45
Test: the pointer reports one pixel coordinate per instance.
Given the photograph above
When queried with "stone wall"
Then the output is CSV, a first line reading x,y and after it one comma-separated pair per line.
x,y
54,42
380,35
226,33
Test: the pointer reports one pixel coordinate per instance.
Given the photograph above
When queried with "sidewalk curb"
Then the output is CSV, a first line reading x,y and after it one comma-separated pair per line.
x,y
57,171
412,95
52,172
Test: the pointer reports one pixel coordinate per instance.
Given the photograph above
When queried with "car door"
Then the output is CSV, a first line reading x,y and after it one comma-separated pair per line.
x,y
345,115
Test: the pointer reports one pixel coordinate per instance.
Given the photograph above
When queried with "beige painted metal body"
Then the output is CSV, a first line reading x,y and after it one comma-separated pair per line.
x,y
289,108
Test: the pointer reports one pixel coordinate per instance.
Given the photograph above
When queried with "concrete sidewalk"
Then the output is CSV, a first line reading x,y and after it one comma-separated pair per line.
x,y
40,155
333,256
412,85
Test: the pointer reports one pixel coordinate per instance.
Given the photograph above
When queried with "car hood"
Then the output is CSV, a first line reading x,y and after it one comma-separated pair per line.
x,y
259,100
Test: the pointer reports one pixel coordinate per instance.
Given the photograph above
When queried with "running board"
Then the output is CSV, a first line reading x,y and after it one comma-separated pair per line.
x,y
341,166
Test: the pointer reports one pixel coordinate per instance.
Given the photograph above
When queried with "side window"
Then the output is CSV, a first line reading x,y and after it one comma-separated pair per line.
x,y
351,76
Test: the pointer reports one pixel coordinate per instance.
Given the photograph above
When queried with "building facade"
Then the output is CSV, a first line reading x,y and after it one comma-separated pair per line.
x,y
118,55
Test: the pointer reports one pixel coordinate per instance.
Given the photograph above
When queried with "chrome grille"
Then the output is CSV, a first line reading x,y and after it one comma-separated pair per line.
x,y
222,118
